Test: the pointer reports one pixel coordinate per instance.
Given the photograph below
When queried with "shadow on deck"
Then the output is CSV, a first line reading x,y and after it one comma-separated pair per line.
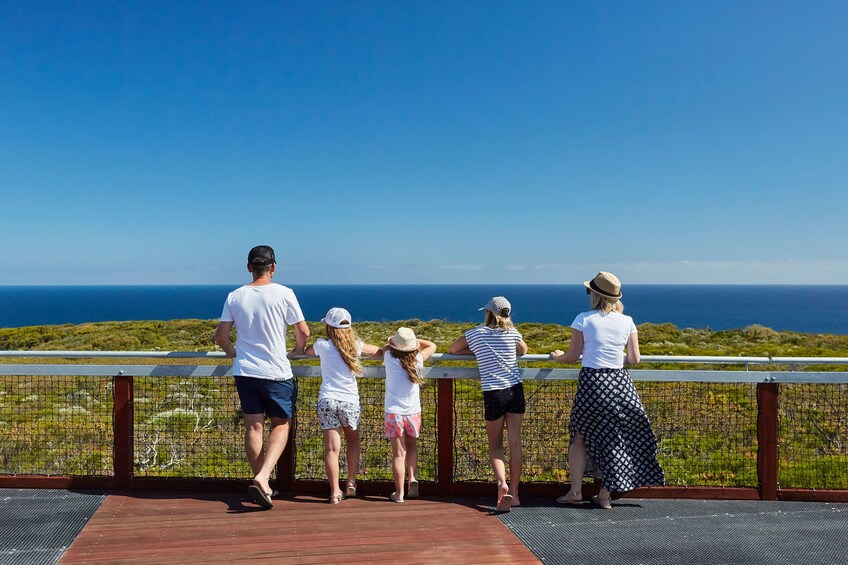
x,y
45,526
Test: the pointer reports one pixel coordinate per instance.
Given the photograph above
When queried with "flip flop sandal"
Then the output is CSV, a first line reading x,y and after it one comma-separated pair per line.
x,y
601,503
260,497
336,498
504,504
393,499
569,498
350,491
412,491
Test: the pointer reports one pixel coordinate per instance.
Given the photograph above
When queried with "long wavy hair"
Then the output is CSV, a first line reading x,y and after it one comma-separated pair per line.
x,y
409,362
345,341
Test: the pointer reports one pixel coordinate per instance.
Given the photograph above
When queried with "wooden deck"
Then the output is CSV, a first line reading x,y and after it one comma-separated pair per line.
x,y
190,527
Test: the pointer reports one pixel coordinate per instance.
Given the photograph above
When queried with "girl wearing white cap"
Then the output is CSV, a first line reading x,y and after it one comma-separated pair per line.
x,y
404,357
496,345
611,436
338,399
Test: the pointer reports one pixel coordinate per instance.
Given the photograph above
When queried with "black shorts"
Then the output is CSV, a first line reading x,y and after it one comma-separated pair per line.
x,y
499,402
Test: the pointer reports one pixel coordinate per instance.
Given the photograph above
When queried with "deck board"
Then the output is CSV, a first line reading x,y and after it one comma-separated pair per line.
x,y
180,528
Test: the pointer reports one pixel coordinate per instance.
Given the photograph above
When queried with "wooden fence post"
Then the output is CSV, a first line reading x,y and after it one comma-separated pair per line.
x,y
767,438
444,437
122,426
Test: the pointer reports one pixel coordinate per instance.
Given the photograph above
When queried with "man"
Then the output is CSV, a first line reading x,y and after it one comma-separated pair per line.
x,y
261,312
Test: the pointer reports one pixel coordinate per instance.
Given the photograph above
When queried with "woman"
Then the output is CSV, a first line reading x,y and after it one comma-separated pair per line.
x,y
611,436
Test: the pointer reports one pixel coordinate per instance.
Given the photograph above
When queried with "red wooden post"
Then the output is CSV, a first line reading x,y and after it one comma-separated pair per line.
x,y
444,437
767,438
286,463
123,429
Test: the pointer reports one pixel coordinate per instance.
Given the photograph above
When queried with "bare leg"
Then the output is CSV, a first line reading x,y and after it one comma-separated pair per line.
x,y
603,498
516,455
253,432
332,447
494,431
411,455
398,465
352,446
576,466
277,440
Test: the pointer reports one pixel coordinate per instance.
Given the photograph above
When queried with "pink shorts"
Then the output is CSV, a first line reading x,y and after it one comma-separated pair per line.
x,y
395,425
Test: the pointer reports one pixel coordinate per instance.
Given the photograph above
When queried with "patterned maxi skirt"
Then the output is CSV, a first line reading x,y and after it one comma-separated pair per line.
x,y
621,448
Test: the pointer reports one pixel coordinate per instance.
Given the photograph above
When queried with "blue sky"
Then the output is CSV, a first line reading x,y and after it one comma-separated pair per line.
x,y
432,142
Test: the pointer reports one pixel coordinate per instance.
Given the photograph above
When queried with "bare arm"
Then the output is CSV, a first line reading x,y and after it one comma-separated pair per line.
x,y
521,347
460,347
426,348
371,350
631,356
222,338
575,349
301,334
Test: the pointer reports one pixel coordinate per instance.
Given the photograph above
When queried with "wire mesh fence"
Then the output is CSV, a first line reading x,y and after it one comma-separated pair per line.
x,y
192,427
706,432
813,436
188,427
56,426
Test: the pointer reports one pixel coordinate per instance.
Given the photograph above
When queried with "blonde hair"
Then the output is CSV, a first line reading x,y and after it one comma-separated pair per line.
x,y
345,340
604,304
409,361
492,320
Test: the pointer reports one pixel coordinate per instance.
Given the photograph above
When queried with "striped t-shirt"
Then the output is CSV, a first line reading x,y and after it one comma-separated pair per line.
x,y
494,349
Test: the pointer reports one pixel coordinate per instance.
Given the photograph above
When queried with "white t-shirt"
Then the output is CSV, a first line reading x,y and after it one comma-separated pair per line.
x,y
261,315
497,360
402,395
604,338
337,380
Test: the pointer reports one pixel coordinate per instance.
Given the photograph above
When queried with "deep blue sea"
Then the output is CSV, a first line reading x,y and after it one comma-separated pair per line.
x,y
808,309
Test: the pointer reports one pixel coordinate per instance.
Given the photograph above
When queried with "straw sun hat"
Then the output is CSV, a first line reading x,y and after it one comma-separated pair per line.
x,y
404,340
606,285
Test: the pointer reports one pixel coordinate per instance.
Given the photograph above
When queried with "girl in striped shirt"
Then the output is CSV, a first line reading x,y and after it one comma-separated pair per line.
x,y
496,345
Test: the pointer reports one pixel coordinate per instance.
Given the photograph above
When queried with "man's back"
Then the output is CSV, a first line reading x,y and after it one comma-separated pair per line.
x,y
261,314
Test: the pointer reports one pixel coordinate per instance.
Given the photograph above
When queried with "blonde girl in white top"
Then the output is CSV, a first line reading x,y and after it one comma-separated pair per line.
x,y
404,358
338,399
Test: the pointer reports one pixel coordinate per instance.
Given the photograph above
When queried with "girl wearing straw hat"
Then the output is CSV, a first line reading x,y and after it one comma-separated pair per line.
x,y
404,358
610,434
496,345
338,399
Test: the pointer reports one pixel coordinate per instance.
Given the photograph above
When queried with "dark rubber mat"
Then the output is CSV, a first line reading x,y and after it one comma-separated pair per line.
x,y
38,525
683,531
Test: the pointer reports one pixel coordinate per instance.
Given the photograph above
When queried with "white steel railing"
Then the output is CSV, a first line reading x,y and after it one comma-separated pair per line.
x,y
435,371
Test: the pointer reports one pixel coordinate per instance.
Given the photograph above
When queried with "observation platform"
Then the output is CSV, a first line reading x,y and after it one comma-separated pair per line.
x,y
50,526
127,462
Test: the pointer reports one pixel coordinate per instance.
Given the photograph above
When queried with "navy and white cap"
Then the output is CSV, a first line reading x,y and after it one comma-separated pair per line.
x,y
337,318
499,306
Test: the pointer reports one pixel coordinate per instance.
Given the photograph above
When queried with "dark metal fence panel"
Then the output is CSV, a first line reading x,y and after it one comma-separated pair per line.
x,y
56,426
706,432
813,440
188,428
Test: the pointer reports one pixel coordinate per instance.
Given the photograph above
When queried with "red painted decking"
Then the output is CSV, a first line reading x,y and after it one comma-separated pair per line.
x,y
160,527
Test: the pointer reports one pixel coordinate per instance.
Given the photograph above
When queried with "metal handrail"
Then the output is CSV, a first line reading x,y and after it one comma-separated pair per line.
x,y
532,357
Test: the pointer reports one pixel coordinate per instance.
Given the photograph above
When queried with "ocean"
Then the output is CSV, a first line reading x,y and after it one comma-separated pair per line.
x,y
807,309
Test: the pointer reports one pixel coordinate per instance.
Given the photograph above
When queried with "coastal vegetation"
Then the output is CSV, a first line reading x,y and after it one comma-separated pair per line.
x,y
191,427
199,335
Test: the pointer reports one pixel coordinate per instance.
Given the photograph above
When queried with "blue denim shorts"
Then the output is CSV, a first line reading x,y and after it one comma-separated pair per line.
x,y
265,396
